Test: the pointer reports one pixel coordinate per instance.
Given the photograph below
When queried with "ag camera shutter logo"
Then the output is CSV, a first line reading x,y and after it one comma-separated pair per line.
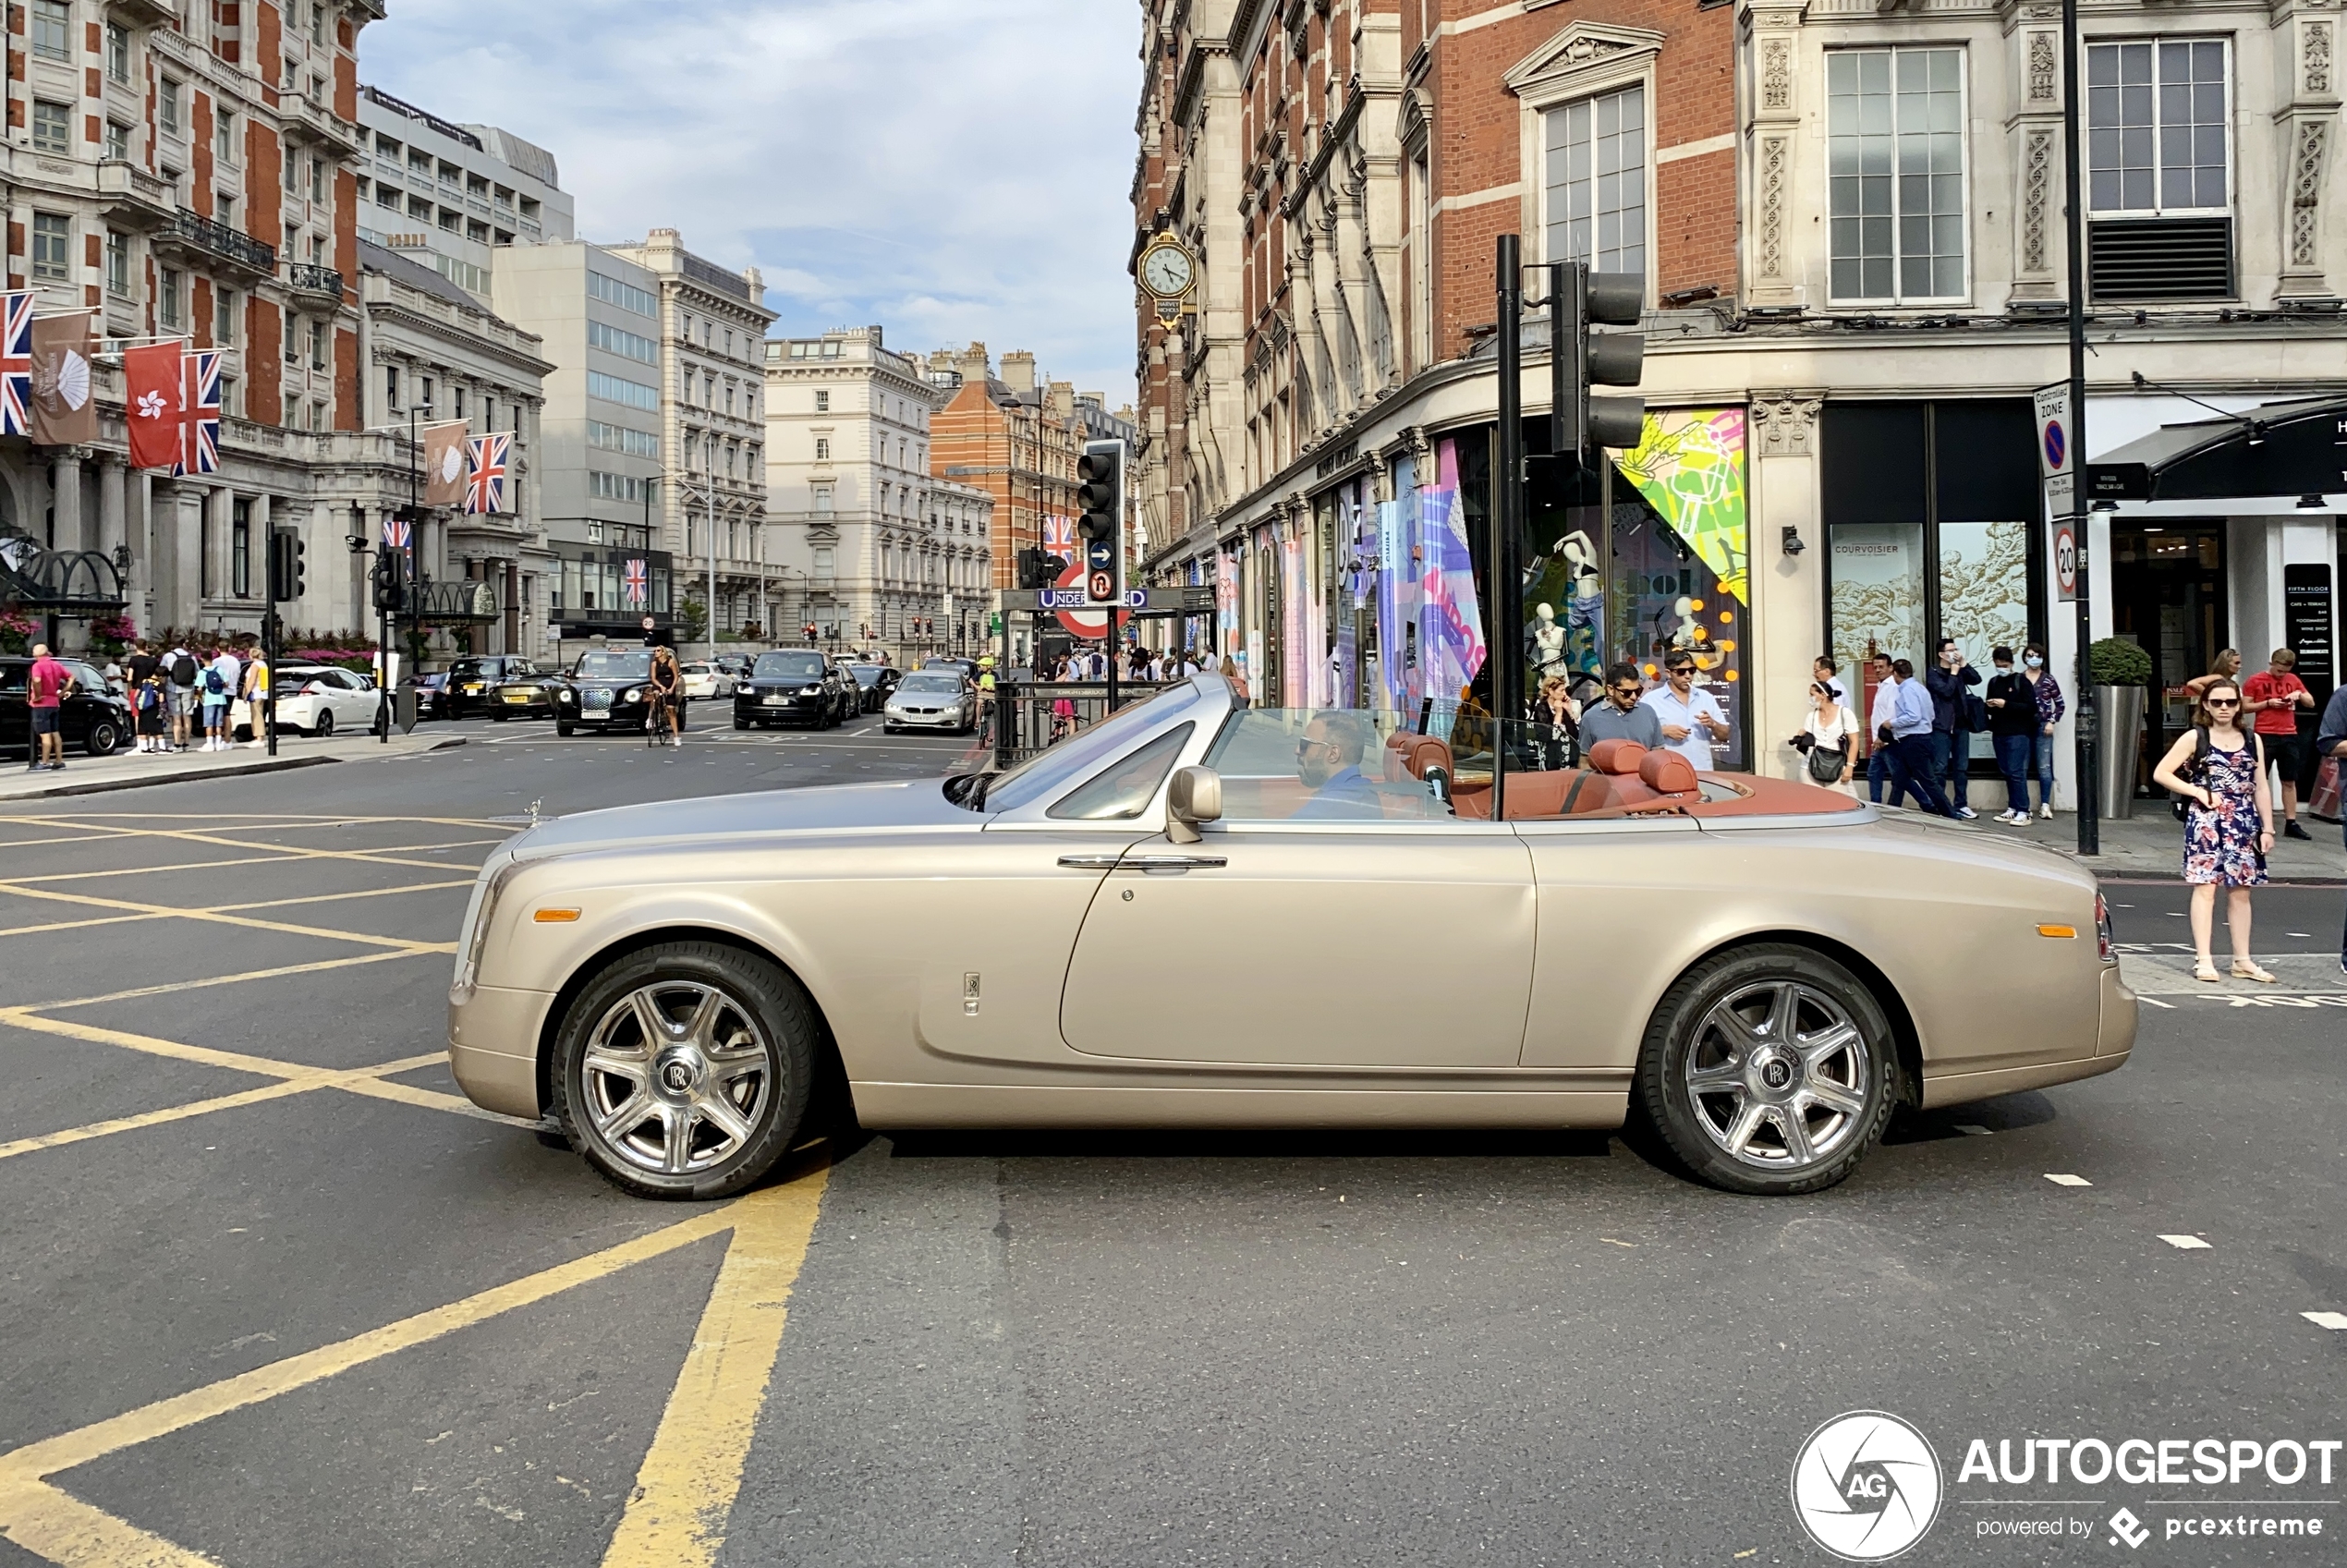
x,y
1866,1486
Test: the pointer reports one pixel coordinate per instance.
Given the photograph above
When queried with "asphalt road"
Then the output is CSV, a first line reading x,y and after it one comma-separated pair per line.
x,y
253,1252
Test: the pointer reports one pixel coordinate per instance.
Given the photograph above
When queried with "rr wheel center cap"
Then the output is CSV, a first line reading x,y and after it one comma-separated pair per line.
x,y
677,1075
1772,1073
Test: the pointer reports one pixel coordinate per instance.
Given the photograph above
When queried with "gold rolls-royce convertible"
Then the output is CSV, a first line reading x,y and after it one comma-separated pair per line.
x,y
1201,914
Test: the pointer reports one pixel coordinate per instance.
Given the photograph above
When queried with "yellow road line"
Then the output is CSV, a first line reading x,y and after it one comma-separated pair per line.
x,y
291,851
238,908
685,1489
173,988
92,901
49,1457
269,859
202,1056
77,925
64,1529
157,1118
430,1099
271,819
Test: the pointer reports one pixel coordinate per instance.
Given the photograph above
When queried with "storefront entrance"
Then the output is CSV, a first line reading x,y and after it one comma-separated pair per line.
x,y
2167,598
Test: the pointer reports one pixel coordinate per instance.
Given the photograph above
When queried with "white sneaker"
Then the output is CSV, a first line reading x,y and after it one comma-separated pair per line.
x,y
2045,813
1965,813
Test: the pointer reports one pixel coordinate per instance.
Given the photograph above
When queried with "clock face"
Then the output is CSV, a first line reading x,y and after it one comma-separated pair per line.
x,y
1166,271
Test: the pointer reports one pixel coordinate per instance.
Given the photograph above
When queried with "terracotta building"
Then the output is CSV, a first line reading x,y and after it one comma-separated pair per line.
x,y
1014,436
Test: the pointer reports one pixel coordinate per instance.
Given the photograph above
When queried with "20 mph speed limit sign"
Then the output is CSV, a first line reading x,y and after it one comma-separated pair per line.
x,y
2065,562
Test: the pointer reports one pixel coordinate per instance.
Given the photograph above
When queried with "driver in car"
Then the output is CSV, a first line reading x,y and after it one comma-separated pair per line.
x,y
1329,761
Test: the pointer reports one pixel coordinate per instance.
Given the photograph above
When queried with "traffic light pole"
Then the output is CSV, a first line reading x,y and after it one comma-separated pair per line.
x,y
2089,780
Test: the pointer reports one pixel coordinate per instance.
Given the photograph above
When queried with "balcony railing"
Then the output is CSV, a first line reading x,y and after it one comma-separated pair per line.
x,y
304,277
222,240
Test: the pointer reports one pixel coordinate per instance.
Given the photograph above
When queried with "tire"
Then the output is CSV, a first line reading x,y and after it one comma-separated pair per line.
x,y
888,729
325,725
104,740
565,731
741,723
1721,1020
498,717
722,996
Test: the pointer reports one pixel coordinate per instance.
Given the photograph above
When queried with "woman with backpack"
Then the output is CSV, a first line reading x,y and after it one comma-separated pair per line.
x,y
2217,771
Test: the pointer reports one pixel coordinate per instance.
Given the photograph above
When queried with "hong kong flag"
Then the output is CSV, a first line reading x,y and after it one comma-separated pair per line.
x,y
155,405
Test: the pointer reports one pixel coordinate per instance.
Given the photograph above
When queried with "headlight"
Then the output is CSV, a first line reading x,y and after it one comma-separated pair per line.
x,y
632,694
487,891
570,697
810,691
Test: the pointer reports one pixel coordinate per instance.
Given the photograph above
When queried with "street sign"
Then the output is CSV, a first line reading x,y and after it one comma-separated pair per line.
x,y
2065,562
2056,462
1100,587
647,622
2306,622
1057,598
2118,481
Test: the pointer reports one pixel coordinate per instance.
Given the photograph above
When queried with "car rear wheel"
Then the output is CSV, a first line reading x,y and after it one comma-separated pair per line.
x,y
325,725
105,738
683,1071
1768,1070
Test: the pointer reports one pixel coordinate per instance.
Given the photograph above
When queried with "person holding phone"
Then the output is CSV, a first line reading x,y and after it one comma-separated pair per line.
x,y
2219,768
1952,725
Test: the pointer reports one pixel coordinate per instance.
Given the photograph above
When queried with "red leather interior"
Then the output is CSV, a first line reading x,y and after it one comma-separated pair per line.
x,y
1618,757
1667,773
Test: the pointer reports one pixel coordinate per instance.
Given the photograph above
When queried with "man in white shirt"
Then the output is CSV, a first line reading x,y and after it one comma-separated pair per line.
x,y
1692,720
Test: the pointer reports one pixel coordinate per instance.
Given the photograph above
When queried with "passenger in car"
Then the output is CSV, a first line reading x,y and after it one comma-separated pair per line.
x,y
1328,759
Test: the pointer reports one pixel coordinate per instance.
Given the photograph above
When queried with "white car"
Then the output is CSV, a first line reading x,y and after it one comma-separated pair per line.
x,y
931,700
316,699
705,679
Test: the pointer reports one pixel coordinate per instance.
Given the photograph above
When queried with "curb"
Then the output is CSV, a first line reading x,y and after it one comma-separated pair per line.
x,y
240,771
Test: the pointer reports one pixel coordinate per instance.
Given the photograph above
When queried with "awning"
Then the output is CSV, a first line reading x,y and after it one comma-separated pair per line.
x,y
75,583
2295,448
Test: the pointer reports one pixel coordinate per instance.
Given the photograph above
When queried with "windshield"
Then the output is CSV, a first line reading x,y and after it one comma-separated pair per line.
x,y
788,667
929,683
465,670
609,666
1048,774
866,675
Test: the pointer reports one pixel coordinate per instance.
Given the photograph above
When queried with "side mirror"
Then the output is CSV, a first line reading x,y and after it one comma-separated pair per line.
x,y
1194,796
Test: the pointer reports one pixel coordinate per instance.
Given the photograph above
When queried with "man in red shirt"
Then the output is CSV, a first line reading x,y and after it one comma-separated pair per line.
x,y
45,695
2273,698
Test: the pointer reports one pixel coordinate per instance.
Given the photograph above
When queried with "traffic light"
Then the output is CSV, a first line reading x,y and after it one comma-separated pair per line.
x,y
1579,299
809,629
1036,567
1100,478
288,567
387,593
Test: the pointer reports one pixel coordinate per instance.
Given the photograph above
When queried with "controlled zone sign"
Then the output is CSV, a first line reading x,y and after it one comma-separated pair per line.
x,y
2056,462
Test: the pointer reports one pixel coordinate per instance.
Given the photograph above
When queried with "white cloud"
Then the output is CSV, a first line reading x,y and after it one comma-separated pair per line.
x,y
952,169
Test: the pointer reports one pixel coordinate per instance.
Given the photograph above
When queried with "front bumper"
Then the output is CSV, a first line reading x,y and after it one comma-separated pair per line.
x,y
948,719
761,709
492,1049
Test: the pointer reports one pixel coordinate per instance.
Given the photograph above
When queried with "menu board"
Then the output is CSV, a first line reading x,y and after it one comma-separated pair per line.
x,y
2307,624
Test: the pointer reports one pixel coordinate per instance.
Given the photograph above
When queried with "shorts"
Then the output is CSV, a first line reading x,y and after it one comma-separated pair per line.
x,y
183,701
2286,751
215,712
44,720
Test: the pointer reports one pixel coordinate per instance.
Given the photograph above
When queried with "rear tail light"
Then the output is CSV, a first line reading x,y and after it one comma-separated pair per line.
x,y
2103,929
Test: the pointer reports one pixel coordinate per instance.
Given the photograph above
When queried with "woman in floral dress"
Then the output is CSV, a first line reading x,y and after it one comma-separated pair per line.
x,y
2228,821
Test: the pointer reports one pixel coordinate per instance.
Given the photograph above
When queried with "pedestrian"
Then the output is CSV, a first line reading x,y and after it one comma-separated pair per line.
x,y
1624,716
1884,709
1952,725
2012,723
1691,718
2331,741
184,673
1908,735
140,667
2219,770
2273,698
1824,671
1828,739
260,704
221,677
2050,709
45,696
150,703
1238,682
2227,667
1556,725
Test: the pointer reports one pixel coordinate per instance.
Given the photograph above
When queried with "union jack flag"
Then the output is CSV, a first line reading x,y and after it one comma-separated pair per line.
x,y
1059,536
396,533
636,586
485,492
15,364
199,442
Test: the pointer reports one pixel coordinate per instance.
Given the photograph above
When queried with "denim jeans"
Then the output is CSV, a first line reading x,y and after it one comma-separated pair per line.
x,y
2043,746
1877,772
1952,767
2012,761
1911,773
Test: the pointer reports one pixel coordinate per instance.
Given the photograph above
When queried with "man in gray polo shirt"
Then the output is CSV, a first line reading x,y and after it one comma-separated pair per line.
x,y
1621,716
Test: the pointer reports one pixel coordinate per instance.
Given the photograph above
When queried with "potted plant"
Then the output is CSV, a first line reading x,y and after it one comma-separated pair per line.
x,y
2122,672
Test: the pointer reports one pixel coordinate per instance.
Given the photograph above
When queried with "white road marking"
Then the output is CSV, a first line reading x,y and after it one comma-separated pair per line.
x,y
2155,1002
2186,1244
2062,1179
2326,1320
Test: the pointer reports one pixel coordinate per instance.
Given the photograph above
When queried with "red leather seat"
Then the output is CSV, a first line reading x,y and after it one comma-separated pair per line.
x,y
1667,773
1619,757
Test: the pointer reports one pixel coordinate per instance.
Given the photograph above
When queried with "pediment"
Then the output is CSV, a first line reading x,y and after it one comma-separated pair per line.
x,y
1577,47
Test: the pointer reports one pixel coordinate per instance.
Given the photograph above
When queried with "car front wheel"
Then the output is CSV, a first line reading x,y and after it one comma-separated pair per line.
x,y
1768,1070
105,738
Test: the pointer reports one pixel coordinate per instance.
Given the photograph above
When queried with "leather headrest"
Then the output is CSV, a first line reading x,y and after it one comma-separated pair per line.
x,y
1618,757
1420,752
1667,773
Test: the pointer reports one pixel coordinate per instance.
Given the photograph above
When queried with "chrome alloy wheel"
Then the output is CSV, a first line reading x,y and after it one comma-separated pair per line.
x,y
1778,1075
677,1078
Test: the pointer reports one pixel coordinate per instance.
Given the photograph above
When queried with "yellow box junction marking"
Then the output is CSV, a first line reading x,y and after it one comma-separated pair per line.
x,y
685,1491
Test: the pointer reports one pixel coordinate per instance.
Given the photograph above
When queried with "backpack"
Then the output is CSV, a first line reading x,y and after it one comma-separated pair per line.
x,y
2183,805
149,698
183,671
212,685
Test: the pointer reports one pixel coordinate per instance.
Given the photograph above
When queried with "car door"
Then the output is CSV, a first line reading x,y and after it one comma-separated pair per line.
x,y
16,712
1375,929
347,693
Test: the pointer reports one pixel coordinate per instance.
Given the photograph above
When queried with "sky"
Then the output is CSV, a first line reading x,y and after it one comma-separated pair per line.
x,y
954,170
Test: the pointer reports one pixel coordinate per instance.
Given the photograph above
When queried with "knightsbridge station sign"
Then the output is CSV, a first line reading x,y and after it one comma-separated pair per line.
x,y
1868,1486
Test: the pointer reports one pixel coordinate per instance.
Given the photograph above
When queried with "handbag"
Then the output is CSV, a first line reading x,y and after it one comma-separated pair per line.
x,y
2182,805
1976,714
1826,763
2323,802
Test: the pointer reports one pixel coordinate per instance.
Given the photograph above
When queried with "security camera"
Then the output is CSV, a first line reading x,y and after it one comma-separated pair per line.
x,y
1792,545
358,542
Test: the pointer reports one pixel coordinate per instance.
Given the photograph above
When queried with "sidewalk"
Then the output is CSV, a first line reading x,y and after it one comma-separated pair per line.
x,y
2150,844
136,769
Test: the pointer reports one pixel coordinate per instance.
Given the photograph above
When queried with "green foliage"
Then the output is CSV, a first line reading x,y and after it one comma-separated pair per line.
x,y
692,619
2116,661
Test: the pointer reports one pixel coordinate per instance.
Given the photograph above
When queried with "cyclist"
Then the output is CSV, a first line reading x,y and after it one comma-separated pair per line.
x,y
664,723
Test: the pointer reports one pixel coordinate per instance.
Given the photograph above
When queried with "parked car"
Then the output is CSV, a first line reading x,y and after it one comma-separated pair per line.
x,y
91,716
931,700
431,693
704,679
796,686
606,690
874,682
471,681
1775,979
318,699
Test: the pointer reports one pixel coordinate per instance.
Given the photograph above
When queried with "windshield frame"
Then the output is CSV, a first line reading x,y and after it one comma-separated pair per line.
x,y
1034,785
579,671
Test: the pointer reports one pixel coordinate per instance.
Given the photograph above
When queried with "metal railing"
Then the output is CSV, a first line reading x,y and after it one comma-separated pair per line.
x,y
222,240
310,278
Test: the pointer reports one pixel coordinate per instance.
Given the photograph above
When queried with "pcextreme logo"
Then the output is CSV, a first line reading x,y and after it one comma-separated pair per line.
x,y
1866,1486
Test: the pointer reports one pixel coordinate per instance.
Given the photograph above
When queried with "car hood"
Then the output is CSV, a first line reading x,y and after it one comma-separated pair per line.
x,y
910,803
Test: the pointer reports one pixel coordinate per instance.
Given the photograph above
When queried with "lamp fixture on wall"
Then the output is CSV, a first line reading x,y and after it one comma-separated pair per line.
x,y
1792,545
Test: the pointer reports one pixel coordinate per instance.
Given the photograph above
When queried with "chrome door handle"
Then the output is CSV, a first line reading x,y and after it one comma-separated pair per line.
x,y
1092,862
1171,862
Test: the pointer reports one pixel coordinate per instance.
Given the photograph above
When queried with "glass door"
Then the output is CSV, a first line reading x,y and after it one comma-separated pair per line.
x,y
2167,598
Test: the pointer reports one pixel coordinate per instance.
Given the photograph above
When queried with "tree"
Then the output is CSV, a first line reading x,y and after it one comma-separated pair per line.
x,y
692,618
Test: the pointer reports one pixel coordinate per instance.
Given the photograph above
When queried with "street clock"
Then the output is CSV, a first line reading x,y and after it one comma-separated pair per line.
x,y
1169,273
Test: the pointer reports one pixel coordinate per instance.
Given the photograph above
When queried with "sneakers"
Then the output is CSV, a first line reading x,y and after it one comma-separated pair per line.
x,y
2292,830
1965,813
2013,819
2045,812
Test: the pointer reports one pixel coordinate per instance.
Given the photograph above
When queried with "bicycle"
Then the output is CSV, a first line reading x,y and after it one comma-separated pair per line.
x,y
660,723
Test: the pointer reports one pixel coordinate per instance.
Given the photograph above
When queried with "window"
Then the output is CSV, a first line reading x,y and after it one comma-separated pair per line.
x,y
317,416
391,386
619,487
317,179
51,248
476,231
613,340
168,104
822,403
627,296
293,177
452,220
118,141
118,263
729,397
224,135
824,555
387,195
224,209
822,449
223,316
318,348
613,389
1894,150
2156,127
240,549
170,291
51,127
293,348
822,499
621,438
53,29
118,52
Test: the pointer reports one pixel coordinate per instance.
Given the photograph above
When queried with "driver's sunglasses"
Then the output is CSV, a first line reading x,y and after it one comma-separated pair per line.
x,y
1307,747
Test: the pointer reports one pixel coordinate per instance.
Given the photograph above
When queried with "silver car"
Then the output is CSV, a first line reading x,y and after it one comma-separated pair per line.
x,y
931,700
